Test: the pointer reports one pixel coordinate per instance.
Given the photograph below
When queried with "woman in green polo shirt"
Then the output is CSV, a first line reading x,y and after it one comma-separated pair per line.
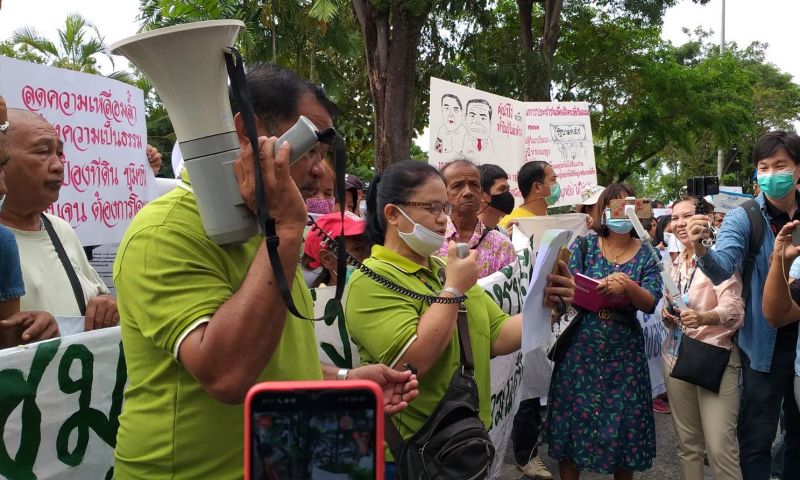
x,y
406,219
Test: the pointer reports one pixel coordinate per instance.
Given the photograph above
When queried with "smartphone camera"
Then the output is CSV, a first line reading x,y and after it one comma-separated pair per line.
x,y
699,187
307,430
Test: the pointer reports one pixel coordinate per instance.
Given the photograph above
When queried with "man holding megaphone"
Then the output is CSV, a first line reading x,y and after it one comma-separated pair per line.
x,y
204,322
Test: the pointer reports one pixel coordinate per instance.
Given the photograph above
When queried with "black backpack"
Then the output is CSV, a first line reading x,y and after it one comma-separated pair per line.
x,y
453,444
757,227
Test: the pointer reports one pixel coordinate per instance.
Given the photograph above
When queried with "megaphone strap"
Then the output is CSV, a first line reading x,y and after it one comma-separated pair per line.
x,y
235,67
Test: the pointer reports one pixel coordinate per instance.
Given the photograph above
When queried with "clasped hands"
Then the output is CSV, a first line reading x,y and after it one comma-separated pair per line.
x,y
614,284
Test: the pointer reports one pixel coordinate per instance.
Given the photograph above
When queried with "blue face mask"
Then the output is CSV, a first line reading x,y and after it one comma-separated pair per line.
x,y
618,225
350,270
778,184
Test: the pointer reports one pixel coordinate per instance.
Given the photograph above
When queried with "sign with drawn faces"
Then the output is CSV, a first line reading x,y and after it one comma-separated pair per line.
x,y
487,128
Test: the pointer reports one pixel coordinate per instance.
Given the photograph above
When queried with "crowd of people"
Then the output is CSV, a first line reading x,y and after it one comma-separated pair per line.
x,y
201,323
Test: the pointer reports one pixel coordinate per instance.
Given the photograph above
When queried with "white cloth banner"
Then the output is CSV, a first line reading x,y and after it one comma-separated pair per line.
x,y
487,128
60,399
59,403
101,121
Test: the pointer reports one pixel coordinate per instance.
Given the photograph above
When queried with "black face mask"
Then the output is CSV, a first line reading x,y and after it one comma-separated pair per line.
x,y
503,202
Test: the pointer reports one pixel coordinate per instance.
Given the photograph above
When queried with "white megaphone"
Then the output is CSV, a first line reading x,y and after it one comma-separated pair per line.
x,y
186,65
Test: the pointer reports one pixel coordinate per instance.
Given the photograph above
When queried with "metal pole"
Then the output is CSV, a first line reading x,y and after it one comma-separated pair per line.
x,y
721,151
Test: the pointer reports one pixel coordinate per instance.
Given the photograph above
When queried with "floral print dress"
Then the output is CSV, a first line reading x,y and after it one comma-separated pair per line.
x,y
600,415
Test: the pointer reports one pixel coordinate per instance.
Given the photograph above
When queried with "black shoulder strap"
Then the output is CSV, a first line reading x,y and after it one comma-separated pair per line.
x,y
77,290
757,227
266,222
464,340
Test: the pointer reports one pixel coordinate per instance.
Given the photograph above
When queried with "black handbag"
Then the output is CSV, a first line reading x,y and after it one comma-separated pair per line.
x,y
700,364
453,444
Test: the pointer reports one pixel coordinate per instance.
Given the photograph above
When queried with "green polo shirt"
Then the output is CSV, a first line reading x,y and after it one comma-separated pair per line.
x,y
383,324
170,277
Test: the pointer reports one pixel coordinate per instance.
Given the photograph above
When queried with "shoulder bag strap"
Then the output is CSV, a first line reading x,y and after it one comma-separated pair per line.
x,y
77,290
757,227
463,340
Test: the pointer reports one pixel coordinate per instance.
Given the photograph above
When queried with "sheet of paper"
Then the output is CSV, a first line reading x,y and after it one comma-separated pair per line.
x,y
68,325
575,223
535,316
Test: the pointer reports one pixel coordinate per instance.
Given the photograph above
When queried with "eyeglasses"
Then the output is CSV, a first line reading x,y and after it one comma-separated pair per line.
x,y
435,208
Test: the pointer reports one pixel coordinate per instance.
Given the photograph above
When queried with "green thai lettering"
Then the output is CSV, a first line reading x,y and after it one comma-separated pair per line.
x,y
15,390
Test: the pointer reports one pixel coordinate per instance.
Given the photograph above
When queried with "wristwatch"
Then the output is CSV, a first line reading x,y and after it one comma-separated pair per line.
x,y
342,374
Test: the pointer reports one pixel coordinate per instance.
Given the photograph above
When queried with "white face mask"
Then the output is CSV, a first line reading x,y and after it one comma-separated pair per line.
x,y
421,240
2,201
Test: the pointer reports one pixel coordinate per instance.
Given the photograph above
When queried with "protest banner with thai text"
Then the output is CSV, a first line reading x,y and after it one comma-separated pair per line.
x,y
107,178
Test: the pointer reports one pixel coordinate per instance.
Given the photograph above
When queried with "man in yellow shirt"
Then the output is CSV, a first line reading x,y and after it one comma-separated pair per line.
x,y
538,184
202,323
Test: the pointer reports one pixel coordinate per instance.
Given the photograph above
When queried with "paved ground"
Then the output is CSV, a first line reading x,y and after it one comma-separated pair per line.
x,y
665,465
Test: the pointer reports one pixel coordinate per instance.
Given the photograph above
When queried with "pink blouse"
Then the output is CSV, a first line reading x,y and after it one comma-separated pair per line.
x,y
725,299
495,251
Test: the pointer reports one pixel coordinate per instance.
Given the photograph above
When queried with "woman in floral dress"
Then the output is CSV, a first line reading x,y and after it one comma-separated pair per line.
x,y
600,417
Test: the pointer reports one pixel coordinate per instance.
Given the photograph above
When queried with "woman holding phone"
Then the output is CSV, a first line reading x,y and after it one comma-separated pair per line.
x,y
600,417
705,421
406,218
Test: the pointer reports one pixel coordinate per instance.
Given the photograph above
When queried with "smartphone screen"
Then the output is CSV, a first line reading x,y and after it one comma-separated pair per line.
x,y
313,434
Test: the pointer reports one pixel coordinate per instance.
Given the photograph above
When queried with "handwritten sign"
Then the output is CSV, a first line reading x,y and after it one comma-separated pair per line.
x,y
101,121
487,128
724,202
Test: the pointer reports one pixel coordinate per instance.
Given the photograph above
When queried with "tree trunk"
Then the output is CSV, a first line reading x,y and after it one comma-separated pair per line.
x,y
274,29
538,87
391,41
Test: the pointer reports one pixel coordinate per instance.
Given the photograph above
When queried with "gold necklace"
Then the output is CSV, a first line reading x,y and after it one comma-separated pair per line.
x,y
606,252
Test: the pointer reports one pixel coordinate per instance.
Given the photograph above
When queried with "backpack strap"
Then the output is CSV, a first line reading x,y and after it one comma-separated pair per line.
x,y
757,228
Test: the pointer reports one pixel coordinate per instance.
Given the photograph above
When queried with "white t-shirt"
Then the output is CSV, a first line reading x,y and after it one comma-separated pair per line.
x,y
47,286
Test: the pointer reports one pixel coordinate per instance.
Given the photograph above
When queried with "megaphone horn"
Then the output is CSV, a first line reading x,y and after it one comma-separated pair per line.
x,y
186,65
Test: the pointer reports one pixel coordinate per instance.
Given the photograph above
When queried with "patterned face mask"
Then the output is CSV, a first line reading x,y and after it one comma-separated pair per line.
x,y
319,206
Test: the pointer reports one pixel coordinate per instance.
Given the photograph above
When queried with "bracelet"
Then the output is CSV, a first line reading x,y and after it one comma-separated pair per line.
x,y
342,374
453,291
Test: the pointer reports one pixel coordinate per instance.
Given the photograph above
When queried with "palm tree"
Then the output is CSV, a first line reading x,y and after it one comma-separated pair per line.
x,y
78,47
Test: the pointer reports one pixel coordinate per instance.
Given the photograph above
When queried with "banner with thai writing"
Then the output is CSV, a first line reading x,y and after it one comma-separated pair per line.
x,y
486,128
107,178
654,333
59,406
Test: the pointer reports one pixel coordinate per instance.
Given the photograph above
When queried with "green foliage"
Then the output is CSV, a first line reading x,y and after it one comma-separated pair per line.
x,y
318,39
78,46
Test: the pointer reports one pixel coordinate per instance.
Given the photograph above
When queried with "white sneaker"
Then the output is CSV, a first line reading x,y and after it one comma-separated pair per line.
x,y
535,469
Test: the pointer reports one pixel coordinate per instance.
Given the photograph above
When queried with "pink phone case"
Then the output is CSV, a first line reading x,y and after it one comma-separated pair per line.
x,y
344,385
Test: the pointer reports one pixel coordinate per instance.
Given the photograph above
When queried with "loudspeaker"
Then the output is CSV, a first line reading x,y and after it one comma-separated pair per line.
x,y
186,65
